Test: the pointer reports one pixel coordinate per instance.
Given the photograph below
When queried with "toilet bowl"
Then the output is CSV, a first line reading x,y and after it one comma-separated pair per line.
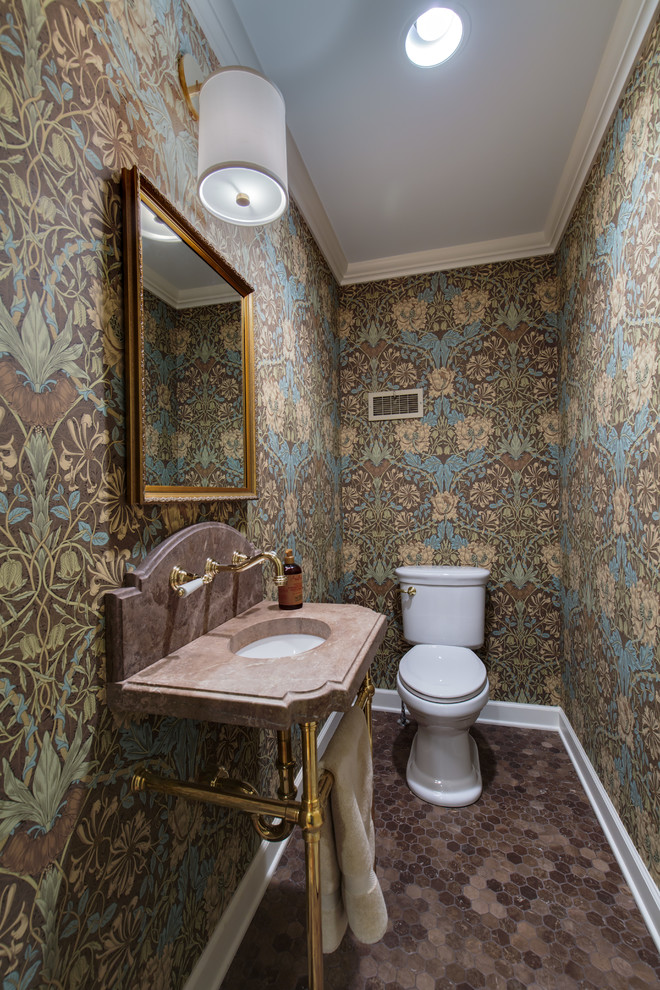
x,y
441,681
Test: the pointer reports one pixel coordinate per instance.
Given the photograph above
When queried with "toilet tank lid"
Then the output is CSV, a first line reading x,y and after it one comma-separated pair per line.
x,y
443,575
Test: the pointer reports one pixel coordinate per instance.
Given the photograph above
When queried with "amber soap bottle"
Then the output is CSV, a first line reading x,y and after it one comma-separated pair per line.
x,y
290,595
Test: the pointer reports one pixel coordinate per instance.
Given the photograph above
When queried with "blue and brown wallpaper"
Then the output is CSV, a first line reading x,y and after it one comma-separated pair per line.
x,y
608,267
475,480
193,370
103,889
100,888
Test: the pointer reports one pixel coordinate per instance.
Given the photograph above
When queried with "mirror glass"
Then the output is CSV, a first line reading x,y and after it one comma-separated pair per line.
x,y
189,358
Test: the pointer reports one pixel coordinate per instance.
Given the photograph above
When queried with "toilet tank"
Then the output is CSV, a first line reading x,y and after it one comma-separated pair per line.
x,y
448,606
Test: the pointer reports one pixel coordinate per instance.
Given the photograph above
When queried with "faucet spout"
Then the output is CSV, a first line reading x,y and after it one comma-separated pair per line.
x,y
241,562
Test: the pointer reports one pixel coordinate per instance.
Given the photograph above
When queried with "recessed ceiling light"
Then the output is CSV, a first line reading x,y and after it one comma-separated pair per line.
x,y
434,36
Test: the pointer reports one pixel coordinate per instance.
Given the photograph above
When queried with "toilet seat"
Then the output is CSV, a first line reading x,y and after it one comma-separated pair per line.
x,y
443,674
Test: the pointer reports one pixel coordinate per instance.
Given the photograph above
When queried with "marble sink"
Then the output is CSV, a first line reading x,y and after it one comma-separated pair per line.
x,y
283,644
208,679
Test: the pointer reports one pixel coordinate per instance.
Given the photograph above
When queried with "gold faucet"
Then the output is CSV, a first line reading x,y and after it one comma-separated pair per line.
x,y
241,562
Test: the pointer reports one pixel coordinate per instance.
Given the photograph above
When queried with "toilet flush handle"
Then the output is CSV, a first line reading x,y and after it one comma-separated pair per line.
x,y
410,591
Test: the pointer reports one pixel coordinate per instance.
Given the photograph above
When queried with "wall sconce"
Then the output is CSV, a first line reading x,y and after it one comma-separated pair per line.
x,y
241,158
153,228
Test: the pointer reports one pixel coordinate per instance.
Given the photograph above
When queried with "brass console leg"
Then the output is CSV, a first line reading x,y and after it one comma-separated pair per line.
x,y
286,792
370,691
311,820
286,766
364,700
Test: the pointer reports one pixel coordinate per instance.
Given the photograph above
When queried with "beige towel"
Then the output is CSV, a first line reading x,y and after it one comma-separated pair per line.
x,y
350,891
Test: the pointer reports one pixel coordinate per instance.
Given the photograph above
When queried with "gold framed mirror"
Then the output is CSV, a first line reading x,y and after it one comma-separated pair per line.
x,y
189,358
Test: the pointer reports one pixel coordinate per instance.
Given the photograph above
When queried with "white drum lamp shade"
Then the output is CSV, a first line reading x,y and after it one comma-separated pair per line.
x,y
241,166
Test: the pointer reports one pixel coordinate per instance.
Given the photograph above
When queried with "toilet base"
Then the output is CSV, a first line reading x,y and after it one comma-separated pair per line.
x,y
443,767
460,783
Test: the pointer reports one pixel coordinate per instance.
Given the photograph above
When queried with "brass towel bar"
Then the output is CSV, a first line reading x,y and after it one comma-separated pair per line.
x,y
285,808
227,794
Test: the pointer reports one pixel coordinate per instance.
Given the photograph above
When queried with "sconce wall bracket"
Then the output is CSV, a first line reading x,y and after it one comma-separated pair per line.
x,y
191,79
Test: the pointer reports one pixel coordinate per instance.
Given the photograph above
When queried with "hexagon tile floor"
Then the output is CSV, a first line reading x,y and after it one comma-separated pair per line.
x,y
518,890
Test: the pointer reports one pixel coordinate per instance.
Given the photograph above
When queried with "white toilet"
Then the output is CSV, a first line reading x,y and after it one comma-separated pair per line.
x,y
443,684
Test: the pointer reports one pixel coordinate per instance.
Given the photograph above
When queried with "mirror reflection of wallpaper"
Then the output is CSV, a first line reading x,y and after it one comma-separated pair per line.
x,y
193,394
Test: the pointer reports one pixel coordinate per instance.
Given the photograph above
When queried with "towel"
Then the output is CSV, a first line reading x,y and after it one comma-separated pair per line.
x,y
350,891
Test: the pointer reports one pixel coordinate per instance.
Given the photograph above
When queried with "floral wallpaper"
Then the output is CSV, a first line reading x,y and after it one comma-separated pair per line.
x,y
100,887
475,480
610,460
194,401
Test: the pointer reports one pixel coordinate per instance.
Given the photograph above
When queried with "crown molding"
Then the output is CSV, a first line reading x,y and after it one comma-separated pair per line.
x,y
225,32
442,259
189,298
302,189
631,28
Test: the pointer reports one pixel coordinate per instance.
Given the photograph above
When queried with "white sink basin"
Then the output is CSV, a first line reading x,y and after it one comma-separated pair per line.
x,y
282,645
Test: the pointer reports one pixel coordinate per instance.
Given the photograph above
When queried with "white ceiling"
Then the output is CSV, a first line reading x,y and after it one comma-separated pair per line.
x,y
399,169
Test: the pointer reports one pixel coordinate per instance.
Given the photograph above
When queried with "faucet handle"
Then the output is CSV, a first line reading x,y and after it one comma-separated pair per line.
x,y
183,582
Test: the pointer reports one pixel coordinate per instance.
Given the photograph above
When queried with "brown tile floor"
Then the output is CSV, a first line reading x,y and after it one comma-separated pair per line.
x,y
518,890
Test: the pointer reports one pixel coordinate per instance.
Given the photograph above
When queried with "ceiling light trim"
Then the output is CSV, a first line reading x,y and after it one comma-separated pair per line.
x,y
431,53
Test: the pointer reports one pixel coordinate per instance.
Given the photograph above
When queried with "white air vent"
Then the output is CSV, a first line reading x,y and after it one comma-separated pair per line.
x,y
406,404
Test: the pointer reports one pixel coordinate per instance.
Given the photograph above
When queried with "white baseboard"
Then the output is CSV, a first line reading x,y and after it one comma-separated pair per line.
x,y
552,718
522,716
215,960
644,889
501,712
386,701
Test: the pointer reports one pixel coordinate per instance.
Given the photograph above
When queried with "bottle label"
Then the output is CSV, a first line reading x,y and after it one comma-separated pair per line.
x,y
291,594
